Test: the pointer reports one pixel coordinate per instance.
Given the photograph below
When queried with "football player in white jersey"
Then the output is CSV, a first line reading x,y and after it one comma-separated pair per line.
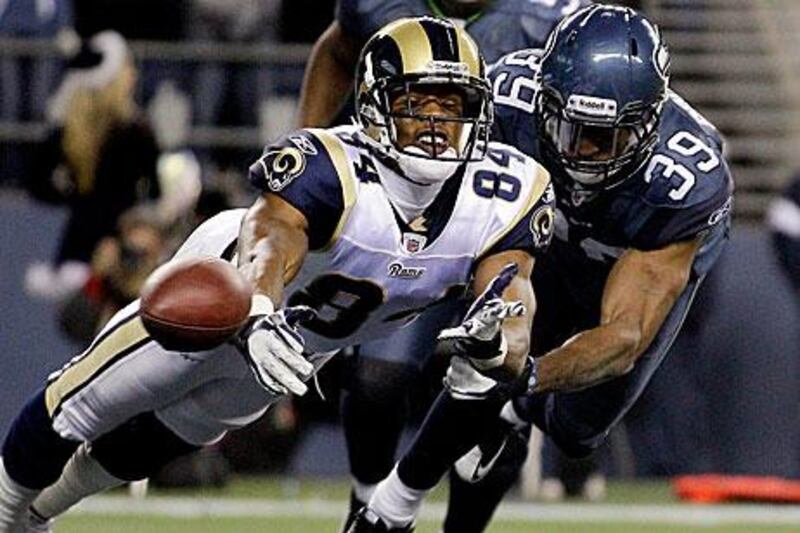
x,y
407,207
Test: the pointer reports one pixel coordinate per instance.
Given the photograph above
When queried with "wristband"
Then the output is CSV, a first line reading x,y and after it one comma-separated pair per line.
x,y
261,305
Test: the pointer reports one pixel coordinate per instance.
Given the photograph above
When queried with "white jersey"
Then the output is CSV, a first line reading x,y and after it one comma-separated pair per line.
x,y
372,273
368,274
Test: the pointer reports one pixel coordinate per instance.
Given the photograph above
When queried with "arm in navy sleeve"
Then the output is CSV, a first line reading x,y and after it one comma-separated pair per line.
x,y
300,171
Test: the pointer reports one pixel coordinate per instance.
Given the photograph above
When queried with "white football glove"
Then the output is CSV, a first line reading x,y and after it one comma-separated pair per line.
x,y
274,349
479,337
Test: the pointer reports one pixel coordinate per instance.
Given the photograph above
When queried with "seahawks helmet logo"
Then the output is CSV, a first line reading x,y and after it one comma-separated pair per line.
x,y
542,225
281,166
661,60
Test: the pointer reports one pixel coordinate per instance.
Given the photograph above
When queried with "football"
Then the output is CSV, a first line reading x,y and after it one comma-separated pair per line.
x,y
195,304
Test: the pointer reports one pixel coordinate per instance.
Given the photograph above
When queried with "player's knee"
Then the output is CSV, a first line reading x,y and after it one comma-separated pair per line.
x,y
379,382
577,443
33,453
576,438
138,448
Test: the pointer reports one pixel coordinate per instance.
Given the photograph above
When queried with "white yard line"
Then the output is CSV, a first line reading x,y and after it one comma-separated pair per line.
x,y
706,515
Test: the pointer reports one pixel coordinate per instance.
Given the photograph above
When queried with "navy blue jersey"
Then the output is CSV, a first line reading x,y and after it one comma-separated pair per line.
x,y
504,26
683,190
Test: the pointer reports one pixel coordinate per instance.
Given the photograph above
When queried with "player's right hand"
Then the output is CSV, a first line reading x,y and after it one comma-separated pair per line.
x,y
274,349
479,337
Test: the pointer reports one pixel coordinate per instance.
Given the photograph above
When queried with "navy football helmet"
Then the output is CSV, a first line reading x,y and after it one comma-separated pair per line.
x,y
604,77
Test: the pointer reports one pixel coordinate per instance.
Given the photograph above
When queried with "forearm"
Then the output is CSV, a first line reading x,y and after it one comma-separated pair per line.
x,y
639,294
517,333
327,82
271,250
589,358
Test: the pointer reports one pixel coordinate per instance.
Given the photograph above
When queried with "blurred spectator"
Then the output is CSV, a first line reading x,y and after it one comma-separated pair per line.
x,y
151,20
100,158
119,267
226,93
25,82
783,219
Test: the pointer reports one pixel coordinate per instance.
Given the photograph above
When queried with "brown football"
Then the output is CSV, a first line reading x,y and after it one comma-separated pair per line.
x,y
195,304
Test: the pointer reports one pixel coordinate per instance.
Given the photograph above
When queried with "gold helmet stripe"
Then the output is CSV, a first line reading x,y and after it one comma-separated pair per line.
x,y
413,43
468,52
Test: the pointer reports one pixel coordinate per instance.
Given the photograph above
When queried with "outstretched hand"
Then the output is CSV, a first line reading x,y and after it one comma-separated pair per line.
x,y
479,337
274,350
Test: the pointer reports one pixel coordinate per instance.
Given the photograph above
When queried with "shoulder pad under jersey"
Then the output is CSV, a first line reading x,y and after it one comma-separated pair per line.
x,y
530,222
687,166
310,170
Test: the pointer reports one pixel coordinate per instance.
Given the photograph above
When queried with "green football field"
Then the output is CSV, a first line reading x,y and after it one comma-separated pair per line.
x,y
289,506
136,524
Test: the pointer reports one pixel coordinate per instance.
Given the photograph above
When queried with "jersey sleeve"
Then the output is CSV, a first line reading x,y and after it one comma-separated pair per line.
x,y
533,232
309,170
679,220
514,88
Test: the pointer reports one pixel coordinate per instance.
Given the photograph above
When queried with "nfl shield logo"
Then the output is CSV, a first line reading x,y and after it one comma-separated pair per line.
x,y
413,242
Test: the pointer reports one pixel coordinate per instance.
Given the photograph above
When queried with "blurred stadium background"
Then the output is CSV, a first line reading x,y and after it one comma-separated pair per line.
x,y
726,401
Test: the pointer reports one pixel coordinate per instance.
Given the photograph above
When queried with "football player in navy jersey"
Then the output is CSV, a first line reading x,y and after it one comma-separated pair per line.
x,y
357,231
643,210
498,26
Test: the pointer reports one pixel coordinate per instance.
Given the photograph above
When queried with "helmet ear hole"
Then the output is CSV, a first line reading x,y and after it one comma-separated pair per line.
x,y
634,48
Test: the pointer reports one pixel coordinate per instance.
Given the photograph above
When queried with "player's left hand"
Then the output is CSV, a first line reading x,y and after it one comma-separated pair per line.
x,y
479,337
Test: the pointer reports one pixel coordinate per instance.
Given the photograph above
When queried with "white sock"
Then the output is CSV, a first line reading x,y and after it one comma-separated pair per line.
x,y
363,491
14,502
395,502
82,476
